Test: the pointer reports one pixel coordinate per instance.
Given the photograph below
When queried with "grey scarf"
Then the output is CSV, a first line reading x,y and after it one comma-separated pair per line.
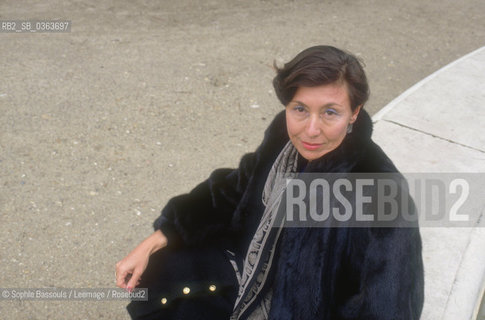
x,y
260,254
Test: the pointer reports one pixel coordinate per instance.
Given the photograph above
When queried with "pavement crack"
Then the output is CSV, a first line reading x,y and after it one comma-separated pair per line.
x,y
434,136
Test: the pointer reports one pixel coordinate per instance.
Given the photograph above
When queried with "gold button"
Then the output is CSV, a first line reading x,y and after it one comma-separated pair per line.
x,y
164,300
186,290
212,288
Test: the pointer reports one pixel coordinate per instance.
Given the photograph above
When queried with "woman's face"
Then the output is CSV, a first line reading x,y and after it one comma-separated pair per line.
x,y
317,119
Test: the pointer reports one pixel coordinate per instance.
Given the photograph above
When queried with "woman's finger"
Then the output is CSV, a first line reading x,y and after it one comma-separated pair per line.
x,y
135,276
120,279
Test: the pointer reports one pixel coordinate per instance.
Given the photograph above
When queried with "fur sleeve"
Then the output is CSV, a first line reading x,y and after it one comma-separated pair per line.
x,y
388,273
385,265
207,211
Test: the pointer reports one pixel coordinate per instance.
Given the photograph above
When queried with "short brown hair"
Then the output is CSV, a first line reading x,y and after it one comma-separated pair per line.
x,y
322,65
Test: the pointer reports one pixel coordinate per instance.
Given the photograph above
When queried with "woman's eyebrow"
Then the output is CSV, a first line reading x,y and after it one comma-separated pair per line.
x,y
298,102
330,104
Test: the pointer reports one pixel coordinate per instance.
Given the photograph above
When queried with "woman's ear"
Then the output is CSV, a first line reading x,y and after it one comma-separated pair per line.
x,y
355,113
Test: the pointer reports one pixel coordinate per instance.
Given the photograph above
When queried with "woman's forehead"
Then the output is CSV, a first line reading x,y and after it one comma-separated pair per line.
x,y
322,95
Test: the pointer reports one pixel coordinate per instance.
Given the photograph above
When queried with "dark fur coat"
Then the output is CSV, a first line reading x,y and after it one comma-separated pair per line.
x,y
320,273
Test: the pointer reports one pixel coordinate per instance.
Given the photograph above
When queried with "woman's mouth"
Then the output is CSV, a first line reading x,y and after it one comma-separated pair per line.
x,y
311,146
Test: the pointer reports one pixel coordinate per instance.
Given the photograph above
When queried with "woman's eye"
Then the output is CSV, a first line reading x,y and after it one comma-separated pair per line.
x,y
299,108
330,112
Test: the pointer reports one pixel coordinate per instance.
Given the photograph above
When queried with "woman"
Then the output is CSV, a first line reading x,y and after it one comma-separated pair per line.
x,y
275,272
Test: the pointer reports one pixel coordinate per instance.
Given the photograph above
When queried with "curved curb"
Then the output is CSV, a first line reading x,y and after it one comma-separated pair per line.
x,y
459,295
380,114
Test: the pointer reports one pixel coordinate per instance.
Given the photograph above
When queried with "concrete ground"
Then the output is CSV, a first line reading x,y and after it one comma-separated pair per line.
x,y
99,127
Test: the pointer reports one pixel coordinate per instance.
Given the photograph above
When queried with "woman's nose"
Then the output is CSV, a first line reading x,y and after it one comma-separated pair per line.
x,y
313,126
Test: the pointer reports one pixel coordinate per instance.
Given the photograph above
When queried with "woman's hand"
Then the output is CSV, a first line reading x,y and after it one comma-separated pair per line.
x,y
129,270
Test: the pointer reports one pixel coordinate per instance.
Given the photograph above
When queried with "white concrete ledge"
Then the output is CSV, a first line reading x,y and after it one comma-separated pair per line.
x,y
438,126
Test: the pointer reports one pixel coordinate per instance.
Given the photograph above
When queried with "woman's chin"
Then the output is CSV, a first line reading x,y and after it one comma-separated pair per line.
x,y
311,155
